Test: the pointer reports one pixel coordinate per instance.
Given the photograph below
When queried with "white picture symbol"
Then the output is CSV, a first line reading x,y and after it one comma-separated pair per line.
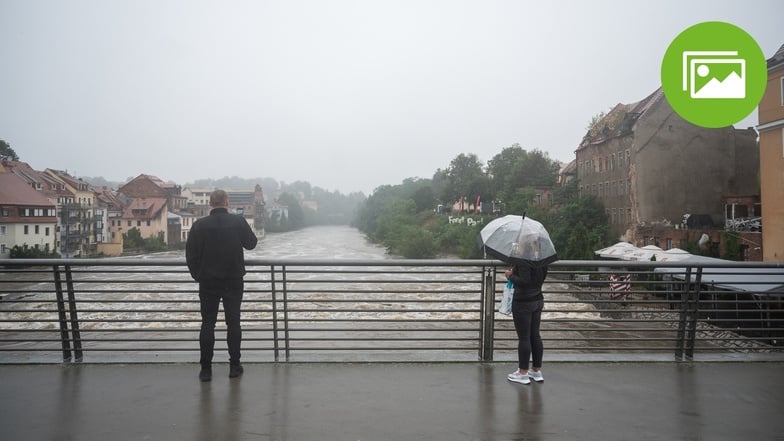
x,y
714,74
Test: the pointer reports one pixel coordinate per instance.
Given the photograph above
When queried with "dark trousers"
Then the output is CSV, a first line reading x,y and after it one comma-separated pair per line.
x,y
210,295
527,318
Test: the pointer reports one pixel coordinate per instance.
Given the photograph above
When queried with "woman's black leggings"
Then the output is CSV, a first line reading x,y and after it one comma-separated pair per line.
x,y
527,318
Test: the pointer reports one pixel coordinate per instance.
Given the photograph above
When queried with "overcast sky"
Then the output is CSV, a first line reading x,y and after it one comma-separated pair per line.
x,y
347,95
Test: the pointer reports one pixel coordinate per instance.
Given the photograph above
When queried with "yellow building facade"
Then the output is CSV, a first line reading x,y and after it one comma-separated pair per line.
x,y
771,141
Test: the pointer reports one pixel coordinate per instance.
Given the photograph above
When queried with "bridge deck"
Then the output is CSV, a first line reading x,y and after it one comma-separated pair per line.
x,y
393,401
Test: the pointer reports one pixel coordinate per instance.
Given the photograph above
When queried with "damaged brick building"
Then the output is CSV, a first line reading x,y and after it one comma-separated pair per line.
x,y
663,180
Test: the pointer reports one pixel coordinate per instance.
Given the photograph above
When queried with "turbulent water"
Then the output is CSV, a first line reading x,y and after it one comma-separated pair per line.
x,y
333,242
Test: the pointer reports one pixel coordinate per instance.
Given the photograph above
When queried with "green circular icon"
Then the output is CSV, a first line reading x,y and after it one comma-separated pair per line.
x,y
714,74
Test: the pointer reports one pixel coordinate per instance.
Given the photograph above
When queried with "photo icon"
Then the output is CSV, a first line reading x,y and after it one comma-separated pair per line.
x,y
714,75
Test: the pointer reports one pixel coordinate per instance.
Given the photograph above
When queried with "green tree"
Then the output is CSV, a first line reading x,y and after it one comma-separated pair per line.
x,y
501,169
535,170
132,240
6,152
424,199
155,243
416,243
296,217
566,193
731,246
578,228
517,201
26,252
396,213
465,173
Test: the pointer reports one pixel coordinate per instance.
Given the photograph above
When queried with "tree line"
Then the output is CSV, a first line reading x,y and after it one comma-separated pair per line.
x,y
404,217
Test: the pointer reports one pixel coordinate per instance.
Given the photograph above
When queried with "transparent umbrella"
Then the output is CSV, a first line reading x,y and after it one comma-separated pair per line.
x,y
518,240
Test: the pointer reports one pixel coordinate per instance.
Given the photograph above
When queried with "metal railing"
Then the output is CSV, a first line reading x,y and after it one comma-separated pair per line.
x,y
143,309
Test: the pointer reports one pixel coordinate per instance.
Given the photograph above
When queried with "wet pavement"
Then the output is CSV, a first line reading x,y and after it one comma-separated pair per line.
x,y
393,401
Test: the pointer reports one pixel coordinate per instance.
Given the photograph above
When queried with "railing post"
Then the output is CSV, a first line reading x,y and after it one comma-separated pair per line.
x,y
286,340
487,321
689,314
77,335
679,340
58,287
274,293
694,305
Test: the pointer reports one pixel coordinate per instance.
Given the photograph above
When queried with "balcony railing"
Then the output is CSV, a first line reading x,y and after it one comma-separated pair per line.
x,y
147,309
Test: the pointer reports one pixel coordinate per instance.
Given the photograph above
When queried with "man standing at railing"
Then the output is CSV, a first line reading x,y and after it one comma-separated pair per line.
x,y
214,253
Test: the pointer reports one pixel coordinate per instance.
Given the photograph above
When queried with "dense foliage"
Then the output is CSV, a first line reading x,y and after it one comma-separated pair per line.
x,y
25,252
407,220
133,242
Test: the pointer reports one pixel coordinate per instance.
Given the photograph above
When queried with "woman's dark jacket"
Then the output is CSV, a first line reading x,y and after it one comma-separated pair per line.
x,y
214,250
527,282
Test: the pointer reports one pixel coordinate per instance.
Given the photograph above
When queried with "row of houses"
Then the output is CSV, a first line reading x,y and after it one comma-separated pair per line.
x,y
53,211
664,181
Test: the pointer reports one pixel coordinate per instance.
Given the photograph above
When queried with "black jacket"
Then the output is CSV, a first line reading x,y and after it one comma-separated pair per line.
x,y
528,282
214,247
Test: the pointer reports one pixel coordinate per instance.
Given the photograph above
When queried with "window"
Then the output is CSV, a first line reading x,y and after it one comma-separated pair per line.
x,y
129,223
5,212
37,229
138,223
46,231
2,230
26,229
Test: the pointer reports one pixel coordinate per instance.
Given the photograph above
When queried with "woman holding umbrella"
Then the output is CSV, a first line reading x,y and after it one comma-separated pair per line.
x,y
525,244
527,306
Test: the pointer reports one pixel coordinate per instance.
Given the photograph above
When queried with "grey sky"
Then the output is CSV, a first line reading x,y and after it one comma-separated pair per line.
x,y
347,95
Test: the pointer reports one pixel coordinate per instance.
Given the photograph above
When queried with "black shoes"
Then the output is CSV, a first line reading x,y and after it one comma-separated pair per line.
x,y
235,370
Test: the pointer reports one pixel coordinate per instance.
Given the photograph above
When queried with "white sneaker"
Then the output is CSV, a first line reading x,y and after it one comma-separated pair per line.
x,y
536,376
517,377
